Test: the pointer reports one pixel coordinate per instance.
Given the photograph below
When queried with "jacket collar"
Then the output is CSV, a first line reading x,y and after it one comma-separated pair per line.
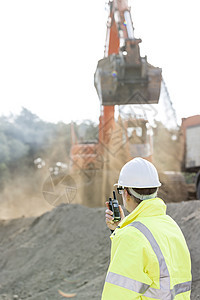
x,y
147,208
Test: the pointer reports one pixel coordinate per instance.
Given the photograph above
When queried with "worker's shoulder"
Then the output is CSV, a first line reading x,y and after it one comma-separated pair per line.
x,y
130,237
130,232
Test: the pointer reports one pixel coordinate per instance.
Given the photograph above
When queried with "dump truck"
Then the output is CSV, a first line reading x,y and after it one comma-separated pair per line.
x,y
191,159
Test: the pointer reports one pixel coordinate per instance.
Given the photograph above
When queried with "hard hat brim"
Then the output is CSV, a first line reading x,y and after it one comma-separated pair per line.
x,y
138,187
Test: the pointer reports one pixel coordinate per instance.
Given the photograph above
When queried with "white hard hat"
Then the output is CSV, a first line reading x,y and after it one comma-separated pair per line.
x,y
138,173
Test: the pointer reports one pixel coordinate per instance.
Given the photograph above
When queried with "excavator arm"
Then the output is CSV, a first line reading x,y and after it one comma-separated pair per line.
x,y
119,28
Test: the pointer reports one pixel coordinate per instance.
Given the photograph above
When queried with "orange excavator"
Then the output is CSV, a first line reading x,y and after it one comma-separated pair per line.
x,y
122,78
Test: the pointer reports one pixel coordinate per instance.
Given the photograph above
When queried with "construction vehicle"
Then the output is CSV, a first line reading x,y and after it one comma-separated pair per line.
x,y
122,77
191,158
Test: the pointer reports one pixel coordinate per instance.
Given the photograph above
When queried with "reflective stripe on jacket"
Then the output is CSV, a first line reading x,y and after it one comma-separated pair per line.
x,y
149,257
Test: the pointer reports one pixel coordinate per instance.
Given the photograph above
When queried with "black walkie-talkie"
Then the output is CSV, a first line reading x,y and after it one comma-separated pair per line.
x,y
114,206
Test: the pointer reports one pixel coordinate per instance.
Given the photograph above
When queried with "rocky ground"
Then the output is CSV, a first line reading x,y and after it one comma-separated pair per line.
x,y
67,250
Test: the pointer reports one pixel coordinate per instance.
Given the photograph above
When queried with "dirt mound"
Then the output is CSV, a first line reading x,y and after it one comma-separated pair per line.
x,y
68,249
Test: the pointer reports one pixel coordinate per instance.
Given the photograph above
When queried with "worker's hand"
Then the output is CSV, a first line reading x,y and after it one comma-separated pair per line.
x,y
109,218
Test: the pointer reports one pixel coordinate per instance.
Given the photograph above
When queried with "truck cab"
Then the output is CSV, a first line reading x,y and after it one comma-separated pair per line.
x,y
191,160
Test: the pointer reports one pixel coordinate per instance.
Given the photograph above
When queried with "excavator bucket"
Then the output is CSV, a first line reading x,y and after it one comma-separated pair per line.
x,y
119,81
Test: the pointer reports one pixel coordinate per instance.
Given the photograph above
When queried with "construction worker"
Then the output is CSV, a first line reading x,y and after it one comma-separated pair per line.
x,y
149,255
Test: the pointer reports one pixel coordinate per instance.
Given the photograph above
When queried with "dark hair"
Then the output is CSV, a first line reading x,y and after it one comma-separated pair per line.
x,y
146,191
142,191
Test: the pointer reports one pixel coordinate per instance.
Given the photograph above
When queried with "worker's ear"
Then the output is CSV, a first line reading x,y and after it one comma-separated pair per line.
x,y
127,194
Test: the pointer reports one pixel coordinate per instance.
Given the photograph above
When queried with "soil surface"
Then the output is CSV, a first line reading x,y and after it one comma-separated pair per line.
x,y
68,249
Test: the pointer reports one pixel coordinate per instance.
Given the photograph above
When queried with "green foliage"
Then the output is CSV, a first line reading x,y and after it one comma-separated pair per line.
x,y
4,148
4,174
25,137
86,131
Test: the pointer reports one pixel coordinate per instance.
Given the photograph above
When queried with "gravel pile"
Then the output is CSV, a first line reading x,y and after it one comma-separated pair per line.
x,y
67,250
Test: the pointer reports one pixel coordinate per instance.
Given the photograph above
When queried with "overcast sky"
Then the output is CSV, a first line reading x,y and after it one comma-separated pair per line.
x,y
49,50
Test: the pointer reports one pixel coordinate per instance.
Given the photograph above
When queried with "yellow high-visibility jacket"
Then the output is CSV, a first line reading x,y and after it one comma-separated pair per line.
x,y
149,257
